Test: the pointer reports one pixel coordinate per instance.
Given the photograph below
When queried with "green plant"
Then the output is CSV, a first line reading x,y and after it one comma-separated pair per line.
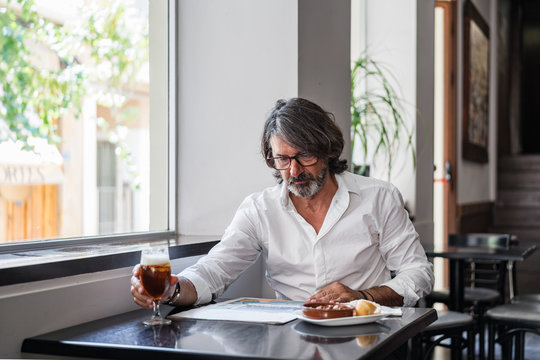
x,y
100,55
32,98
377,116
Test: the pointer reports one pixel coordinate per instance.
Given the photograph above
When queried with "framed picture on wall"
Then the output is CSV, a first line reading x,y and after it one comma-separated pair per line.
x,y
475,85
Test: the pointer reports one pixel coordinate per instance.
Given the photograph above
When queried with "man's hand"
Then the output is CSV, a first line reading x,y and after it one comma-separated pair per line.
x,y
335,292
140,296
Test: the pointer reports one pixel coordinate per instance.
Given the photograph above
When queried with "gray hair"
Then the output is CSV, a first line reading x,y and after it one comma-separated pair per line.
x,y
307,127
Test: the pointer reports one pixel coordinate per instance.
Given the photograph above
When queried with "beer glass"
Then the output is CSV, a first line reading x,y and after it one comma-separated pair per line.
x,y
155,274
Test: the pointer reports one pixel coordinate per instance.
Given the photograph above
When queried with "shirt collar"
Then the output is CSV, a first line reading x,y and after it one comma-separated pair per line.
x,y
349,182
284,197
342,197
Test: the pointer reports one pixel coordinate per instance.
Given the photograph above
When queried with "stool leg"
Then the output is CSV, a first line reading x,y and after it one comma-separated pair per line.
x,y
470,348
519,345
491,341
481,338
416,347
506,346
512,279
455,349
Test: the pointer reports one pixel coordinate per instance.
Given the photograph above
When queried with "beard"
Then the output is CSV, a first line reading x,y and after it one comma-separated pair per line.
x,y
311,187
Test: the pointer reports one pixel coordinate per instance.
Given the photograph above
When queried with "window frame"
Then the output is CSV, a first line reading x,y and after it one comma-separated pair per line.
x,y
49,268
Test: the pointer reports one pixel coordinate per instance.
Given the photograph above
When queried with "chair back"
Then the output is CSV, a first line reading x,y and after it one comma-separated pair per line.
x,y
484,273
489,274
484,240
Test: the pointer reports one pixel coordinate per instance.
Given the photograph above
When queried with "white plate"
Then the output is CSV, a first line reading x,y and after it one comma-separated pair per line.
x,y
349,320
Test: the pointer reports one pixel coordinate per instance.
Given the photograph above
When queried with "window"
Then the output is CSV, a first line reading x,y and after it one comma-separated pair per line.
x,y
84,120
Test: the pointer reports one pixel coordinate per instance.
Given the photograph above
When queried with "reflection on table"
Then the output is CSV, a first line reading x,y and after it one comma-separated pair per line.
x,y
124,336
365,335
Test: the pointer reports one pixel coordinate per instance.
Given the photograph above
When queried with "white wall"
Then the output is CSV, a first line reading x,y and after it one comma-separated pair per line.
x,y
236,59
390,39
477,182
254,53
399,35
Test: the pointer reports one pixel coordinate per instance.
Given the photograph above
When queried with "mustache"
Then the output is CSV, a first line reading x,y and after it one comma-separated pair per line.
x,y
301,177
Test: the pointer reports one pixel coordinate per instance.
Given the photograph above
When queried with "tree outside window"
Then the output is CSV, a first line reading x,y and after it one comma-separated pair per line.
x,y
73,109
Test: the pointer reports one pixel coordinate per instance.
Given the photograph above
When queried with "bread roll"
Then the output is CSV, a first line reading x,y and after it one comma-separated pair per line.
x,y
365,307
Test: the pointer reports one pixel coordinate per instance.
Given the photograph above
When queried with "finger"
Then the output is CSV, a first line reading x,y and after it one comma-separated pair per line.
x,y
333,295
142,303
319,298
137,286
314,298
139,293
338,299
140,289
321,295
136,270
142,300
173,280
332,298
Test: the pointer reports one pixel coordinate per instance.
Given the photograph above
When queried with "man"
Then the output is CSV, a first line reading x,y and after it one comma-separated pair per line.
x,y
325,234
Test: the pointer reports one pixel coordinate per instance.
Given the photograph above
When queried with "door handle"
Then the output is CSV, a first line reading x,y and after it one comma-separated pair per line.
x,y
447,177
448,173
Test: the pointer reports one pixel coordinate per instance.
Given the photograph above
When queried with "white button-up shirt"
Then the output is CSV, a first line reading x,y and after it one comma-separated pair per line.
x,y
365,236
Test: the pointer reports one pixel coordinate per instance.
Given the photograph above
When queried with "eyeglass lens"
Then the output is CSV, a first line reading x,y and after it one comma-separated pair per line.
x,y
284,162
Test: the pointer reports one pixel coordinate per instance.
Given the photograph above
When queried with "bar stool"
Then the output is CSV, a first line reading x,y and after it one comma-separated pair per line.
x,y
511,322
486,279
526,298
449,325
484,285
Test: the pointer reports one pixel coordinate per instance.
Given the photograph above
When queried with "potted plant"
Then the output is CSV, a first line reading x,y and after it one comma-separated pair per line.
x,y
378,127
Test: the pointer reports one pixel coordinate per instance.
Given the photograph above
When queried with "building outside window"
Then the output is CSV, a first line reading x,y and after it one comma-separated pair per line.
x,y
76,129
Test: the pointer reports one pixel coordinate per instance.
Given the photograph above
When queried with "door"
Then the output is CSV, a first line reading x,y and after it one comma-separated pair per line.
x,y
444,186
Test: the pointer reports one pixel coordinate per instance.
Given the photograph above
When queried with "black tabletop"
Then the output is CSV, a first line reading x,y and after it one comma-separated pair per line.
x,y
124,336
512,254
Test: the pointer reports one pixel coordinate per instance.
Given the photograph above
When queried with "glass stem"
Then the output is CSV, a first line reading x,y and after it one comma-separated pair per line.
x,y
157,314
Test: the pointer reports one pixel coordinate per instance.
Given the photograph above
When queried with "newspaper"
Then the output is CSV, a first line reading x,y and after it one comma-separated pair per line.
x,y
268,311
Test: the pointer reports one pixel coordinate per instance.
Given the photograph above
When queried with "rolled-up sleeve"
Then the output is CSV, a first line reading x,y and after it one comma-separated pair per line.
x,y
237,250
400,246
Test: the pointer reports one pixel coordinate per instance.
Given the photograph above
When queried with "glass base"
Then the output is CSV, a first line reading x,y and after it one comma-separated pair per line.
x,y
156,321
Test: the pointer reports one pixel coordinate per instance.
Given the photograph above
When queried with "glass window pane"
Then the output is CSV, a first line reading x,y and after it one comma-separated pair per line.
x,y
75,129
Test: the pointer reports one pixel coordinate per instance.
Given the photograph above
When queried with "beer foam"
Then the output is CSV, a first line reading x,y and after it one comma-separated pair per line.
x,y
154,259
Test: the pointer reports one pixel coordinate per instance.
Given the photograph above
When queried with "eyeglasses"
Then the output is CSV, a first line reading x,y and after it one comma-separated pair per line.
x,y
284,162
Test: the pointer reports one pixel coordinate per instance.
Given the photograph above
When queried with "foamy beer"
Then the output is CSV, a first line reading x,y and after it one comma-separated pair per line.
x,y
155,274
